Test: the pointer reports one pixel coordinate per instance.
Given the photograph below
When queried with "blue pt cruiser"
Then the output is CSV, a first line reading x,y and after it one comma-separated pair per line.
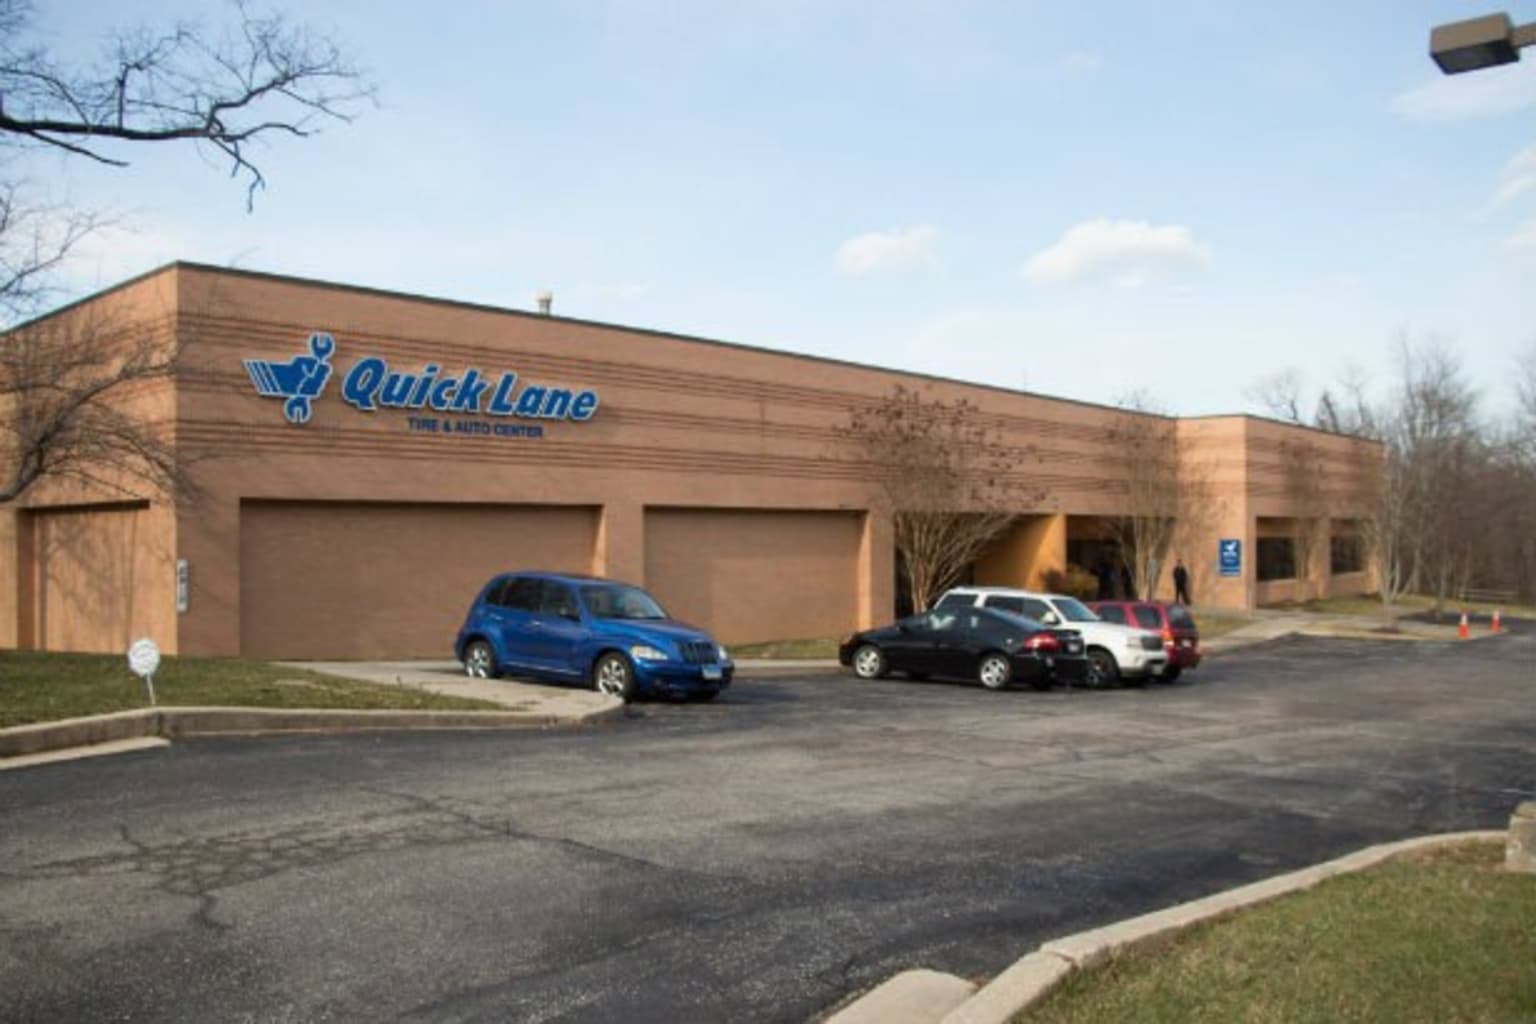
x,y
611,634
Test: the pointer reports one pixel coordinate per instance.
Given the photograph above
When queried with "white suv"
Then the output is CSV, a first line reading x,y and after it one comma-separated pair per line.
x,y
1115,652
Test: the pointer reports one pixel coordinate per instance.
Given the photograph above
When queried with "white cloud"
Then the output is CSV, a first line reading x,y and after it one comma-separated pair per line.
x,y
883,251
1524,237
1517,178
1486,93
1130,252
1080,62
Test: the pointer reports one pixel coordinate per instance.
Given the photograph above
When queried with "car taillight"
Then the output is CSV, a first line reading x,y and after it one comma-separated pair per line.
x,y
1168,637
1043,643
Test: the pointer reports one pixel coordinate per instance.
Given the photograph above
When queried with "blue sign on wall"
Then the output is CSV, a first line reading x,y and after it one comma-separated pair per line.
x,y
372,384
1229,557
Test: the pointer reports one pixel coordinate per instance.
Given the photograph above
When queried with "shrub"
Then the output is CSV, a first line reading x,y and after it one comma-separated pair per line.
x,y
1076,582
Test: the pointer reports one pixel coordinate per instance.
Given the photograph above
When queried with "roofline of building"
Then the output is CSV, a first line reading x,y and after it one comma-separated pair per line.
x,y
357,289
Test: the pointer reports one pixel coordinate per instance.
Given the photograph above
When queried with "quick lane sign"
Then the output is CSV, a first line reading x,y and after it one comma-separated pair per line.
x,y
371,384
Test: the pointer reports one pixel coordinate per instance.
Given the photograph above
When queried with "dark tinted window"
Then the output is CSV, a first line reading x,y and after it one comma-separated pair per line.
x,y
1007,604
522,594
1345,554
1000,624
1179,617
494,589
1148,617
1277,558
557,599
941,619
955,601
1112,613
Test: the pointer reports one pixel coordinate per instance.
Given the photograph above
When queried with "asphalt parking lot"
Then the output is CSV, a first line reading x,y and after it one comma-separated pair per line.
x,y
756,859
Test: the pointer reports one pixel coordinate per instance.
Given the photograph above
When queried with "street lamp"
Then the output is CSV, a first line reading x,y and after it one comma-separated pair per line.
x,y
1479,43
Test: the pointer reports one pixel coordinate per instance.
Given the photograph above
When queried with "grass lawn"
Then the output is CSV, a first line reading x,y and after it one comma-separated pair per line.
x,y
815,647
1214,624
38,687
1442,936
1408,604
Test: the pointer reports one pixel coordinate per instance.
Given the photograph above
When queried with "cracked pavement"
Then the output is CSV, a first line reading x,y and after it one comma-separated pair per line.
x,y
755,859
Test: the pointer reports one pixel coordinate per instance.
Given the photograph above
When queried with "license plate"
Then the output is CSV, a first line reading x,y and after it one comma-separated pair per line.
x,y
1186,642
712,672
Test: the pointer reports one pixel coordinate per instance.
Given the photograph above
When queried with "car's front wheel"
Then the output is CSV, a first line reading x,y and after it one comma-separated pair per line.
x,y
612,674
869,662
479,660
995,672
1103,670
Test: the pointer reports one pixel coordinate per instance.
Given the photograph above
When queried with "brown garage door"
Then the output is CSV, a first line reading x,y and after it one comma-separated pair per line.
x,y
362,580
756,575
99,571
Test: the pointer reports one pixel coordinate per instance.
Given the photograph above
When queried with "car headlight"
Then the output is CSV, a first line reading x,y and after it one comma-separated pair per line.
x,y
645,652
1133,642
724,654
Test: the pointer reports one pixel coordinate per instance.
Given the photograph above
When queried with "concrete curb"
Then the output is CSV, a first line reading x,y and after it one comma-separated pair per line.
x,y
915,996
178,722
1034,976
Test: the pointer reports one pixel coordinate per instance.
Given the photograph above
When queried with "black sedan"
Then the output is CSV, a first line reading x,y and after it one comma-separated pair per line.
x,y
994,647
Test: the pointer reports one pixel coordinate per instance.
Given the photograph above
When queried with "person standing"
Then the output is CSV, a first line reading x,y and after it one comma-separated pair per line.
x,y
1181,582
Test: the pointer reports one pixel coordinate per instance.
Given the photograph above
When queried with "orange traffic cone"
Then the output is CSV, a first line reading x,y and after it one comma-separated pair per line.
x,y
1462,631
1498,627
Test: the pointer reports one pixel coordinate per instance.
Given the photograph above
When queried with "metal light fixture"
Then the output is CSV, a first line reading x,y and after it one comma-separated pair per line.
x,y
1479,43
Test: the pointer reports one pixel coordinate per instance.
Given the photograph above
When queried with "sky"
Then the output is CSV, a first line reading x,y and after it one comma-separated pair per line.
x,y
1079,199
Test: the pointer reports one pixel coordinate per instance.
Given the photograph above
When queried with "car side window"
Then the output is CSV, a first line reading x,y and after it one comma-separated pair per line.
x,y
1148,617
1034,608
521,594
1112,613
940,619
494,590
1007,604
556,599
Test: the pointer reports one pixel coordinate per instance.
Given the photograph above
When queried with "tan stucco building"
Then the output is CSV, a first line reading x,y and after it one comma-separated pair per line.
x,y
360,520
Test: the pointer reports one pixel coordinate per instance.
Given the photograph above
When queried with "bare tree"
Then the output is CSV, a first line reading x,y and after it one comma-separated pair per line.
x,y
68,387
184,84
264,78
78,393
1280,394
1383,522
1301,467
1162,493
945,479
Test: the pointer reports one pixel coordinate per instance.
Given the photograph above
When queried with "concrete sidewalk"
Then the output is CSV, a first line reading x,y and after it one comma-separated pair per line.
x,y
1273,624
448,678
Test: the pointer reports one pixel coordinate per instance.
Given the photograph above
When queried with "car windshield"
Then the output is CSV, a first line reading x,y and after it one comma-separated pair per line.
x,y
613,601
1073,610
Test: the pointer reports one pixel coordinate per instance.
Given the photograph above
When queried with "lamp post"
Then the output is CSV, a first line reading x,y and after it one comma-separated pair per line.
x,y
1479,43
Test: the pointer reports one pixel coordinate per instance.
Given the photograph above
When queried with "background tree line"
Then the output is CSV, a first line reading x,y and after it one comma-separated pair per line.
x,y
1456,484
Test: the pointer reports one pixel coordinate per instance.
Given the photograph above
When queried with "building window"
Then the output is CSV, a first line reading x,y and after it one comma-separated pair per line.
x,y
1345,555
1277,559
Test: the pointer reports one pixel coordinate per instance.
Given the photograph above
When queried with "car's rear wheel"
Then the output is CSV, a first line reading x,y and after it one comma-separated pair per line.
x,y
1103,670
869,662
479,660
612,674
1171,673
994,671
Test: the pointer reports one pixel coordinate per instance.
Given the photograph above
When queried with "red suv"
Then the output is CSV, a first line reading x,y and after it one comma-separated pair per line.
x,y
1181,639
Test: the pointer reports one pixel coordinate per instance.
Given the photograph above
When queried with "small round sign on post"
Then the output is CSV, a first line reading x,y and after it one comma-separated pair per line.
x,y
143,659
